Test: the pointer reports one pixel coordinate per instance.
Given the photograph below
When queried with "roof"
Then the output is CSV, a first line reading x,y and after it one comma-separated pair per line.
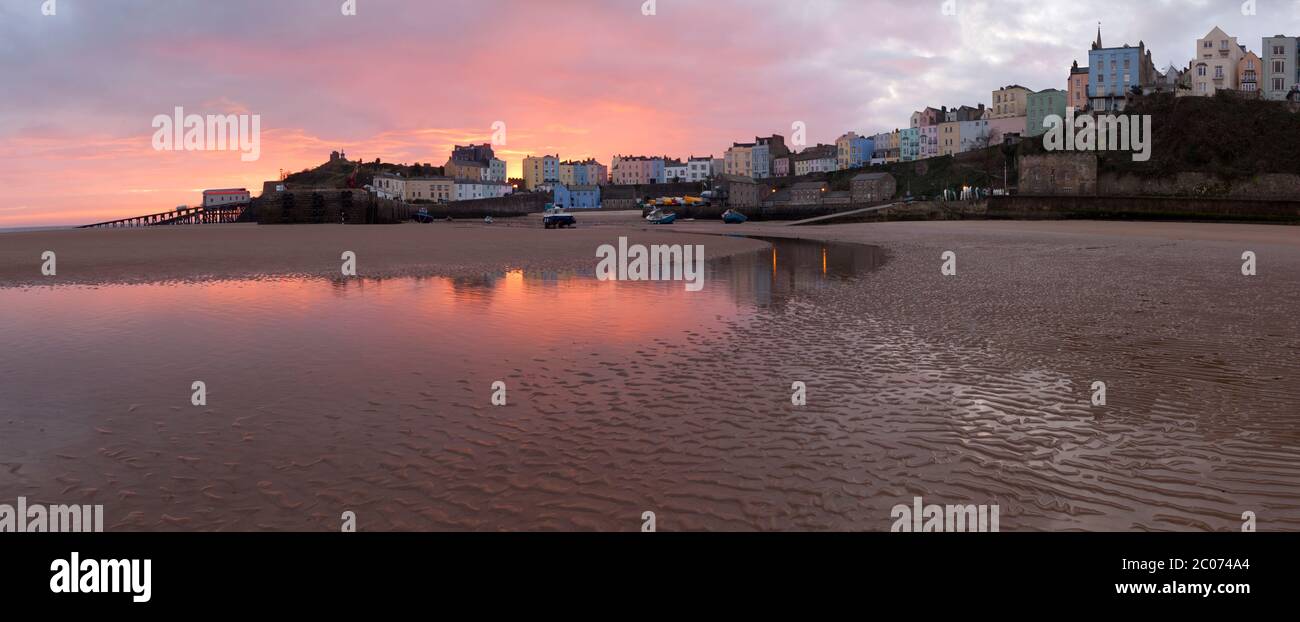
x,y
227,191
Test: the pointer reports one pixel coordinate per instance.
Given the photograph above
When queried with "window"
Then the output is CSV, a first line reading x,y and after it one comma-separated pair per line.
x,y
1218,72
1279,66
1278,50
1200,70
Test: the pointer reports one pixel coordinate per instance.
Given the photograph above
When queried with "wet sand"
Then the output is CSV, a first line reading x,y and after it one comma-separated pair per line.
x,y
187,253
966,389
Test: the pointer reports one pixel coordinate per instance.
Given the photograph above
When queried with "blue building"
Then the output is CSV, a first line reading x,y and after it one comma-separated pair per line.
x,y
909,144
1114,72
577,197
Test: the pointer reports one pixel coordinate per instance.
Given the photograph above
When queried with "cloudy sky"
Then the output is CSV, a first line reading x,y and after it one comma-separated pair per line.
x,y
403,80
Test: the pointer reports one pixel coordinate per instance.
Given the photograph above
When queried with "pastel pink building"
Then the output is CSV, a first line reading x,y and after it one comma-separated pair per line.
x,y
1076,88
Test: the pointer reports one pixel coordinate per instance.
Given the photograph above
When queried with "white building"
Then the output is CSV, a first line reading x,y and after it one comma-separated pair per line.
x,y
676,170
226,196
699,169
389,186
468,190
818,159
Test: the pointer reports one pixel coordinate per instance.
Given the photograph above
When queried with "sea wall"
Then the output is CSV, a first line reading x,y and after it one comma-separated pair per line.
x,y
1144,208
1077,174
301,206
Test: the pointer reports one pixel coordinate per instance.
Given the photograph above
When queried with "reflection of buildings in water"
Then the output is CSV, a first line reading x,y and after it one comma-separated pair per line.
x,y
769,277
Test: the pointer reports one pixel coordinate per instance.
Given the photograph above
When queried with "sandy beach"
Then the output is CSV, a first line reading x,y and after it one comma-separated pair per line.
x,y
973,388
155,254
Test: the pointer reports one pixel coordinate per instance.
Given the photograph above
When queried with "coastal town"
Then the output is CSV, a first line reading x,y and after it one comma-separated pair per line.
x,y
737,266
1114,76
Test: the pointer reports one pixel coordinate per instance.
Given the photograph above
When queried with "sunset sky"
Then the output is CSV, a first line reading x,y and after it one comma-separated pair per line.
x,y
404,80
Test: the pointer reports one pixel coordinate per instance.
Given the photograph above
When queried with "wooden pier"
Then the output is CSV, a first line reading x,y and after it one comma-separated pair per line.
x,y
179,216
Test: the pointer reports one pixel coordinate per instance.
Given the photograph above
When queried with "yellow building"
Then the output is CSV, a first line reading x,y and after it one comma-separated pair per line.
x,y
436,189
950,138
1010,101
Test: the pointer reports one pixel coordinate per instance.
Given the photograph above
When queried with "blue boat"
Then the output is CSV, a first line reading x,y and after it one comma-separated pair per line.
x,y
422,215
732,217
657,217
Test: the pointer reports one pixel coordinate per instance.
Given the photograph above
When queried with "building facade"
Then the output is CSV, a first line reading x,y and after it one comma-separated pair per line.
x,y
1249,71
1113,73
781,166
389,186
808,192
699,169
872,187
740,160
434,189
583,196
950,138
929,141
818,159
1009,101
635,170
852,151
475,162
974,135
765,151
675,170
909,144
1281,62
585,173
467,190
1215,65
468,170
1007,129
1076,87
539,170
226,196
1041,105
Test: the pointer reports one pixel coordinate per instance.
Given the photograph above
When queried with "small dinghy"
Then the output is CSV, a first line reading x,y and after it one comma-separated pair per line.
x,y
658,217
732,217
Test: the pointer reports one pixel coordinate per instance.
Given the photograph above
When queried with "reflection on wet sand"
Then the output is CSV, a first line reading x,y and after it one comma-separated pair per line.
x,y
373,396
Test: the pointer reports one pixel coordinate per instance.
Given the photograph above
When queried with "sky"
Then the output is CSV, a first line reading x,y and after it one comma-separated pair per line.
x,y
405,80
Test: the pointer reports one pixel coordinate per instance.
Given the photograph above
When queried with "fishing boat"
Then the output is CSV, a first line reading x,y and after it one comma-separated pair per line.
x,y
658,217
422,215
556,218
732,217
